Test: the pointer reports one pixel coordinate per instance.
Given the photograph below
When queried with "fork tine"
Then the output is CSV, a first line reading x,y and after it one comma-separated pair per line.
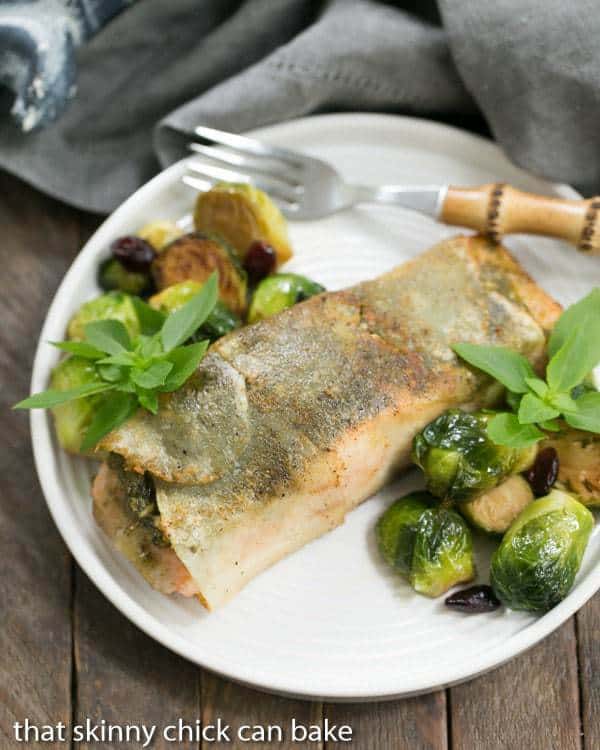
x,y
248,145
266,166
271,185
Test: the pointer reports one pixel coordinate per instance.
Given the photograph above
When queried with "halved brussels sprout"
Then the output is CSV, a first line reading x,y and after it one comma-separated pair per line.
x,y
459,459
396,529
242,214
579,463
194,257
220,321
72,419
428,544
278,292
160,233
535,566
109,306
113,275
495,510
443,553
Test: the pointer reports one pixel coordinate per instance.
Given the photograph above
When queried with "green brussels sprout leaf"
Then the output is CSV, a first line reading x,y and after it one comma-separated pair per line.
x,y
396,529
534,567
442,554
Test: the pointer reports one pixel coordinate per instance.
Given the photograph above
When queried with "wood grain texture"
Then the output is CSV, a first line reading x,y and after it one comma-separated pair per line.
x,y
411,724
237,705
588,638
39,238
123,676
531,703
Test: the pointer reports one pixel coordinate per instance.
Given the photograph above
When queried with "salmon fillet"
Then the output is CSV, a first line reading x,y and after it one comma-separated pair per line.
x,y
290,423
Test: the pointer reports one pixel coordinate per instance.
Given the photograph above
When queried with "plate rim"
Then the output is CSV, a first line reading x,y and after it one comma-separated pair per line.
x,y
135,612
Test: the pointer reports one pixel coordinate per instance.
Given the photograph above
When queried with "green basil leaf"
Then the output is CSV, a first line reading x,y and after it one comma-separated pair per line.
x,y
111,373
532,409
80,348
587,416
185,360
149,400
122,359
150,347
150,320
505,429
552,425
576,358
584,314
505,365
181,324
513,400
562,401
537,386
109,336
50,398
115,410
154,376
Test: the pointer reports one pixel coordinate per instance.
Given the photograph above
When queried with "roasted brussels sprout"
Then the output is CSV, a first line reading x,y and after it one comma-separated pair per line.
x,y
535,566
194,257
160,233
278,292
242,214
220,321
495,510
579,463
72,419
428,544
109,306
443,552
397,527
113,275
459,459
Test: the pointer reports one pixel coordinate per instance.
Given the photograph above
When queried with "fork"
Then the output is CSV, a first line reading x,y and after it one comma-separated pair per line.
x,y
308,188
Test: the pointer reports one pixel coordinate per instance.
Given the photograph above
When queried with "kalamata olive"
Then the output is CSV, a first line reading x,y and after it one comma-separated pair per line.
x,y
542,475
260,260
134,253
473,600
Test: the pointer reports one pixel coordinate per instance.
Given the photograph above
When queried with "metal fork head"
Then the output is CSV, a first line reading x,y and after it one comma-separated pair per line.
x,y
302,186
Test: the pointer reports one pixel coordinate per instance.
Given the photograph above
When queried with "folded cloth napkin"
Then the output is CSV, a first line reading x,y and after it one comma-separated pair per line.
x,y
104,97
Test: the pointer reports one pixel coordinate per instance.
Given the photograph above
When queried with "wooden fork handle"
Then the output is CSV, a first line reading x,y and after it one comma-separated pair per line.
x,y
498,209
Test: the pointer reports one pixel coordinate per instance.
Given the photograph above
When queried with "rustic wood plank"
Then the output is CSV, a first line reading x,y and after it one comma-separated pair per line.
x,y
237,706
39,238
123,676
588,641
531,703
411,724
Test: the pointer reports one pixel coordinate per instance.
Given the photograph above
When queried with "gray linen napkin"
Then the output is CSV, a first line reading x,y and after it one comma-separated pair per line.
x,y
158,68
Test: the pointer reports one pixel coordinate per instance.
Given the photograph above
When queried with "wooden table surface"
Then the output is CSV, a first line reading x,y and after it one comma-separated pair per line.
x,y
67,654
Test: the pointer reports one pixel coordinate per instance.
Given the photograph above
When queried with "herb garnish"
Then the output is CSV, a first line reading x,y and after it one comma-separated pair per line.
x,y
537,404
133,372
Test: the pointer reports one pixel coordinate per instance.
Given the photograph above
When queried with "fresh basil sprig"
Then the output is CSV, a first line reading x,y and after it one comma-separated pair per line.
x,y
574,351
131,374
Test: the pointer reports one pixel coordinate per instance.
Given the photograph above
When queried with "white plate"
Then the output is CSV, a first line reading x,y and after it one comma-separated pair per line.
x,y
329,621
